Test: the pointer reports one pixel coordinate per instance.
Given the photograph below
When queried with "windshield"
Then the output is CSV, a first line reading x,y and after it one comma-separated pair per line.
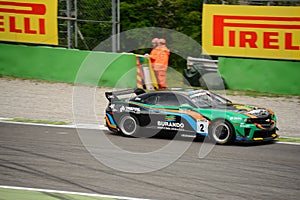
x,y
208,99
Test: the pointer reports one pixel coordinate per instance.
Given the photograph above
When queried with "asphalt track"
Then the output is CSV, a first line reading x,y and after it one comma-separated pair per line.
x,y
54,158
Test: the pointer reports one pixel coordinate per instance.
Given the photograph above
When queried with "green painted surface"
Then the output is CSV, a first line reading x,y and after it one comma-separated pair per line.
x,y
271,76
68,65
12,194
118,70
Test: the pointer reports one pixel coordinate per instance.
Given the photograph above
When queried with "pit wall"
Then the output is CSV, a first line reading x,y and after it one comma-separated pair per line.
x,y
68,65
271,76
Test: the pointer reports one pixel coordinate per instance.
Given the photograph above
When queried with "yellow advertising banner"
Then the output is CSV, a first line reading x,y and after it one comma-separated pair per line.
x,y
252,31
33,21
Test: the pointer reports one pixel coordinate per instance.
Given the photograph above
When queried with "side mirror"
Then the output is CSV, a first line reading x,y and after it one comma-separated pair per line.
x,y
186,107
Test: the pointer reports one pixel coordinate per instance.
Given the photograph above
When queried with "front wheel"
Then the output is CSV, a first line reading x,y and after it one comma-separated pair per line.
x,y
221,132
129,125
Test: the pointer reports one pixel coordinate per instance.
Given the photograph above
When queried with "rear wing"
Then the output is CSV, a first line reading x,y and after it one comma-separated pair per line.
x,y
113,96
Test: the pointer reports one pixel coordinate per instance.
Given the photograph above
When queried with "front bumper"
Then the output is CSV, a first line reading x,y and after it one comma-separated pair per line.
x,y
255,132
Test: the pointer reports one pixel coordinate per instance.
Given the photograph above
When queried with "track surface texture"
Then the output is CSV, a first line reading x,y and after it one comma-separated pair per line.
x,y
32,99
54,158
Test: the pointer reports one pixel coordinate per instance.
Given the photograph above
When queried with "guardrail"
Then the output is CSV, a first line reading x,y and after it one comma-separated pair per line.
x,y
208,65
203,72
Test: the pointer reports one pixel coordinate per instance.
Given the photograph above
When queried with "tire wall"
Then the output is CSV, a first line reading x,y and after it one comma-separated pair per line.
x,y
271,76
64,65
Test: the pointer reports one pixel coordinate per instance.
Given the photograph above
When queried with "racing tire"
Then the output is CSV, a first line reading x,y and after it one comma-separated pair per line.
x,y
129,125
221,132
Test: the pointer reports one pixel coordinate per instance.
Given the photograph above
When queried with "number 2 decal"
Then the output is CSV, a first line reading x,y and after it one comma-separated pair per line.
x,y
202,126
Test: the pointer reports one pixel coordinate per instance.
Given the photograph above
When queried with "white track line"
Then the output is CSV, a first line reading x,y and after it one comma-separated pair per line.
x,y
292,143
67,192
92,127
82,126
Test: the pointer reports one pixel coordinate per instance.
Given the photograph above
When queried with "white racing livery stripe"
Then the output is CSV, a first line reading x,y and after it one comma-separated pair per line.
x,y
68,192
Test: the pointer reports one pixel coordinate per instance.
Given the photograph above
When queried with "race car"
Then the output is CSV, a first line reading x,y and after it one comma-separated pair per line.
x,y
190,112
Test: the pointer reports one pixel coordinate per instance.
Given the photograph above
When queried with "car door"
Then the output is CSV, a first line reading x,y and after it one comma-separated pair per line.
x,y
165,114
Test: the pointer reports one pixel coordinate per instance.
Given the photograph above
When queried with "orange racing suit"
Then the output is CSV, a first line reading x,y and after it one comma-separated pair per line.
x,y
160,62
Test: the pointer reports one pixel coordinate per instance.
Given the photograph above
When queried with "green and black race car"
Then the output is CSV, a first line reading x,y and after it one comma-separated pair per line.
x,y
190,112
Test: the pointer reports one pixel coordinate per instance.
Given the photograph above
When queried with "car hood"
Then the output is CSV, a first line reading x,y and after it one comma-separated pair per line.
x,y
250,110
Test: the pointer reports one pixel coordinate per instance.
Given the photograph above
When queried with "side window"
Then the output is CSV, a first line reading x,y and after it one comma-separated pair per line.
x,y
165,99
151,100
183,100
168,100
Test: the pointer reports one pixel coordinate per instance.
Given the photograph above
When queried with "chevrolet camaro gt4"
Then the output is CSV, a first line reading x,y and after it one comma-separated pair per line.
x,y
190,112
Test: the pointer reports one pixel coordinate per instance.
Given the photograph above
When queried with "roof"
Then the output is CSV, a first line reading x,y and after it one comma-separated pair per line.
x,y
186,91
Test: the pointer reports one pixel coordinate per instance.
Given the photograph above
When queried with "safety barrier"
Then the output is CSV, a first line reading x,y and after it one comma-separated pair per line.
x,y
119,70
63,65
271,76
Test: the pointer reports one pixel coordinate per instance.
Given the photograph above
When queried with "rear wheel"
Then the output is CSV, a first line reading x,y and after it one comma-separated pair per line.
x,y
129,125
221,132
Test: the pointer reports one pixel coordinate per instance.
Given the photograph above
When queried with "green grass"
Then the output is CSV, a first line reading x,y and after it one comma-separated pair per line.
x,y
38,121
288,139
32,80
13,194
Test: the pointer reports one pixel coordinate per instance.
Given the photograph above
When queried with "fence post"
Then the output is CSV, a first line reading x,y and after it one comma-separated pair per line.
x,y
69,24
113,7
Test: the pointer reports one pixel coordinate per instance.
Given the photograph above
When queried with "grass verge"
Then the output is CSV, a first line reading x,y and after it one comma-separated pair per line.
x,y
38,121
12,194
288,139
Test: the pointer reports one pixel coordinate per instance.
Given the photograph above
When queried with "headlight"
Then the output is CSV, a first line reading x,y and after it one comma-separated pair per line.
x,y
248,120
